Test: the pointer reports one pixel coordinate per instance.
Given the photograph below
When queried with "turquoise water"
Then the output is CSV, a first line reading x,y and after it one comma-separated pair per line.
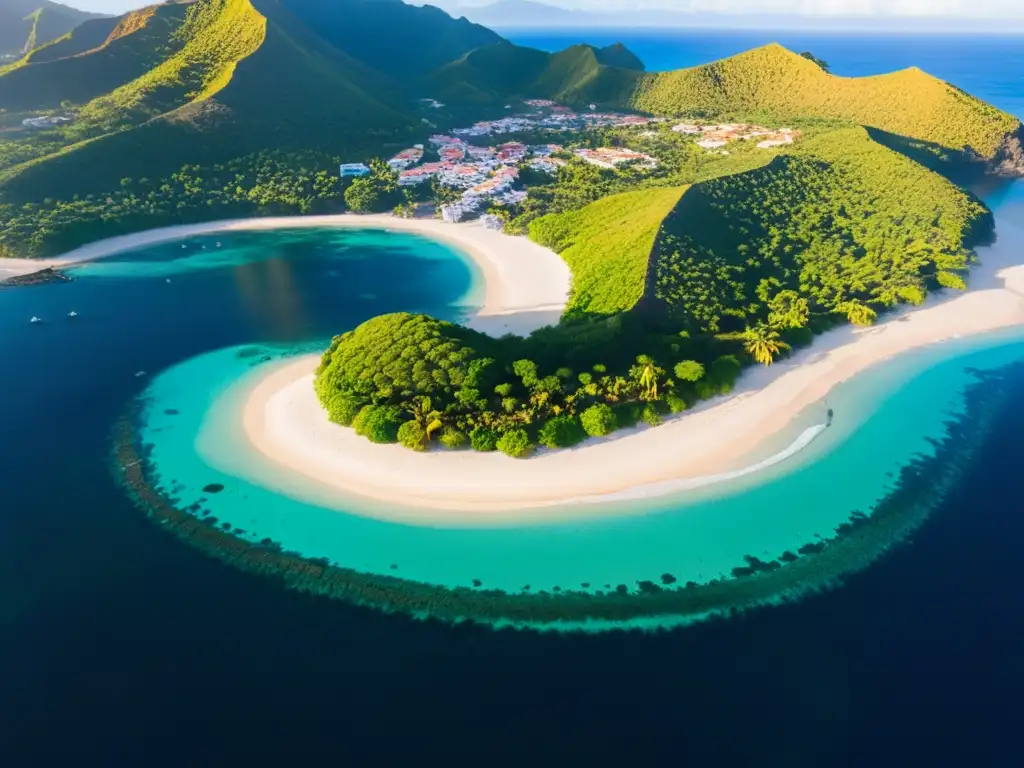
x,y
292,280
883,418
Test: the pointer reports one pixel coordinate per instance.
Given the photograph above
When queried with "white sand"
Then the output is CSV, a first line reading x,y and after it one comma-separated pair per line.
x,y
285,422
526,285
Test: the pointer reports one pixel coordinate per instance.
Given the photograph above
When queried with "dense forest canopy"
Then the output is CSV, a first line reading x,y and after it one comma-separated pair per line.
x,y
849,225
420,381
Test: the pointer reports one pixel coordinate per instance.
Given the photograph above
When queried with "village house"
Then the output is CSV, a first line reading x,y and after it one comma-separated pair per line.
x,y
512,152
407,157
452,154
44,121
353,169
610,157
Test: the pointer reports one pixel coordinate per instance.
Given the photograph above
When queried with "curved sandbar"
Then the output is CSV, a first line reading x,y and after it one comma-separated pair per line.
x,y
284,420
526,285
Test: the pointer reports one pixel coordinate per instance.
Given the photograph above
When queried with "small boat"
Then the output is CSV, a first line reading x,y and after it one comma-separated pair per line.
x,y
183,246
140,374
218,245
72,313
35,319
168,279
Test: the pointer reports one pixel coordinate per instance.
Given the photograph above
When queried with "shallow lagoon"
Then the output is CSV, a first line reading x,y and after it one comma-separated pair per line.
x,y
883,419
195,321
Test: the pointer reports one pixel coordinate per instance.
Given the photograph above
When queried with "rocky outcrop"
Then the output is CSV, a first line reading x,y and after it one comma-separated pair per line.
x,y
42,277
1008,159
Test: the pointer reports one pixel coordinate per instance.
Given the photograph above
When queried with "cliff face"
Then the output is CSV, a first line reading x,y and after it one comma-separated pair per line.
x,y
1009,157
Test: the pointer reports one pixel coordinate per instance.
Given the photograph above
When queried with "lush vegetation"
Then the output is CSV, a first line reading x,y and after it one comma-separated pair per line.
x,y
607,245
139,42
418,381
25,24
789,86
269,183
578,75
618,55
841,223
395,38
239,156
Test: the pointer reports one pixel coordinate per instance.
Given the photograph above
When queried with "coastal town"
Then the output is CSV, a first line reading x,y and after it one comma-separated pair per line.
x,y
483,173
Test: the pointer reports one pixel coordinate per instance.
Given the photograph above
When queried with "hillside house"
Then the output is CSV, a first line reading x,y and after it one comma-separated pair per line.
x,y
348,170
610,157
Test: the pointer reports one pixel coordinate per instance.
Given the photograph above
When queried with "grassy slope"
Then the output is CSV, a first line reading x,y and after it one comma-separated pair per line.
x,y
24,24
87,36
840,218
488,75
773,79
401,40
607,245
495,73
575,76
136,45
282,89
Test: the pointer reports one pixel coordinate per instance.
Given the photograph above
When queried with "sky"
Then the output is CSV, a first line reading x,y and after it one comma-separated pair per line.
x,y
997,9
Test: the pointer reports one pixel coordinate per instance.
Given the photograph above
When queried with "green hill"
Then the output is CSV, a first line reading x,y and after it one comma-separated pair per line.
x,y
488,75
391,36
788,86
85,37
618,55
765,84
498,72
209,101
137,44
608,245
847,224
27,24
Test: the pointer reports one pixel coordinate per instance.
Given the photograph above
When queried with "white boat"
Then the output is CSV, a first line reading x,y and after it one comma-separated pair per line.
x,y
140,374
72,313
35,319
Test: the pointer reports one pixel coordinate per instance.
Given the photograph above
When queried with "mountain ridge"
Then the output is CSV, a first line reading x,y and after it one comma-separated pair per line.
x,y
27,24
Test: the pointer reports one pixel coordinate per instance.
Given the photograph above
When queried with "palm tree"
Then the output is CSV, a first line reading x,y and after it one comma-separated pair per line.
x,y
763,343
645,373
424,415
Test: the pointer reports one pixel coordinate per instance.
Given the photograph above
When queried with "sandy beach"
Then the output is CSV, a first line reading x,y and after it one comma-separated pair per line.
x,y
526,285
284,421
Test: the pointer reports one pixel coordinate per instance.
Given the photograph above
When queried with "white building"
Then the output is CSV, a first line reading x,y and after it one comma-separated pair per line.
x,y
44,121
353,169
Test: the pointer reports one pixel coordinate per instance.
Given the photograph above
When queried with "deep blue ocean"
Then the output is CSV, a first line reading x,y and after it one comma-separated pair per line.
x,y
122,646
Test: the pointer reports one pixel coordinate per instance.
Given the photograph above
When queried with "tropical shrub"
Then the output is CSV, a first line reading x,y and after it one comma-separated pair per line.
x,y
378,423
561,432
599,420
515,443
412,435
483,439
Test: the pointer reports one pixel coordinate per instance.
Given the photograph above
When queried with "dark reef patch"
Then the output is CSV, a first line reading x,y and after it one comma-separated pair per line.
x,y
213,488
918,488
